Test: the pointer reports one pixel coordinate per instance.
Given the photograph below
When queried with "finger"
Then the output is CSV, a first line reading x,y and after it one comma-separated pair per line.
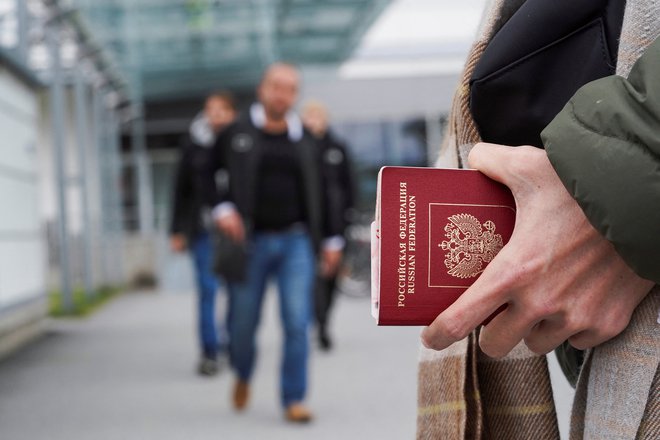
x,y
591,338
500,162
505,331
547,335
473,307
491,159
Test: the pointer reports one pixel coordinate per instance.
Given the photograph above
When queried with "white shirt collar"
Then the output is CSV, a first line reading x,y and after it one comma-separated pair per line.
x,y
293,122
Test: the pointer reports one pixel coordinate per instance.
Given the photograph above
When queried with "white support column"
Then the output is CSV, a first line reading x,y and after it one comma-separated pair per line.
x,y
143,182
57,109
143,187
265,27
117,230
82,137
102,158
23,19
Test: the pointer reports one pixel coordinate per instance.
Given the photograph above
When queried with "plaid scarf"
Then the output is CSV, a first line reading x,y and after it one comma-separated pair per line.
x,y
463,394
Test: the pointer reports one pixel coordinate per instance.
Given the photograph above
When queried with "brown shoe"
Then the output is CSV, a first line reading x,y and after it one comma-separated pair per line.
x,y
298,413
241,395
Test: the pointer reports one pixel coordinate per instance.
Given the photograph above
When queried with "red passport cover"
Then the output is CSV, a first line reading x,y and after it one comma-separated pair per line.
x,y
435,232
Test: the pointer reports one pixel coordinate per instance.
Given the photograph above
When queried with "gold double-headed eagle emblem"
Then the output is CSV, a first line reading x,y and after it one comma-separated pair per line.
x,y
469,245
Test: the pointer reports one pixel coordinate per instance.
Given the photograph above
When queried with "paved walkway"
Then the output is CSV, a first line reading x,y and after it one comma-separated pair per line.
x,y
127,373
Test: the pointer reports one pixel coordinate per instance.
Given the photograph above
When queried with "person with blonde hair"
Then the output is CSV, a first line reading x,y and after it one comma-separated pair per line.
x,y
339,178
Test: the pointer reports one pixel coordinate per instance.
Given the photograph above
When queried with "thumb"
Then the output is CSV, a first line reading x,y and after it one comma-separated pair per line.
x,y
495,161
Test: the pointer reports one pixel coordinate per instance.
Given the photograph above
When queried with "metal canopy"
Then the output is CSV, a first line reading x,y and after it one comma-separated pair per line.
x,y
178,48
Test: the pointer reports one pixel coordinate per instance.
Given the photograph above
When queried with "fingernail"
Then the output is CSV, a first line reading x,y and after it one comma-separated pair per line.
x,y
426,342
423,338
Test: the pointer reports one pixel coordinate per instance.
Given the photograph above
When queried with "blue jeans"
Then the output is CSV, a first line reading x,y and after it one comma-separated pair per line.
x,y
288,256
207,286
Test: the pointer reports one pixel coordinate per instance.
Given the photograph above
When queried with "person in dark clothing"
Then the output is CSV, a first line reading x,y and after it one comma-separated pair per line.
x,y
189,229
274,206
337,167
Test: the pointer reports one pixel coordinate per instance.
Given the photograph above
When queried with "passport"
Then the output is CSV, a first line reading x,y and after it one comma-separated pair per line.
x,y
434,233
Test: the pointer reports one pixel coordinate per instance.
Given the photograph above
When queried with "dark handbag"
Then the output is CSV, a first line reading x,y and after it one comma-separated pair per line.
x,y
537,61
230,258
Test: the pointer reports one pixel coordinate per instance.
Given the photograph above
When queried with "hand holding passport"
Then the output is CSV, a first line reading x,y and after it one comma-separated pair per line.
x,y
559,280
435,232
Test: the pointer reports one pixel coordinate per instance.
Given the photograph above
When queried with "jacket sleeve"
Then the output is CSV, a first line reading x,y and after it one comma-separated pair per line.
x,y
348,178
332,209
605,147
211,195
183,193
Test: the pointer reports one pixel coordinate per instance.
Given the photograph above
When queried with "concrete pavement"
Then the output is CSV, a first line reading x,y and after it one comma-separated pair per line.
x,y
127,373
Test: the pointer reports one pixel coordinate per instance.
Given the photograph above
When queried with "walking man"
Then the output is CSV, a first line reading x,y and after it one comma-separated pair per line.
x,y
189,229
275,206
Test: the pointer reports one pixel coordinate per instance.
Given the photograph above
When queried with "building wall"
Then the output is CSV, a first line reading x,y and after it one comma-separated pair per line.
x,y
22,253
23,303
101,184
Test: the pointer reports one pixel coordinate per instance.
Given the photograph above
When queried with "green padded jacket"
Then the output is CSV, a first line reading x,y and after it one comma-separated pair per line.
x,y
605,147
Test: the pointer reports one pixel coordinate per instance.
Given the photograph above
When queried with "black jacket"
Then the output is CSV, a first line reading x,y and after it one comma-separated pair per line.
x,y
238,151
188,206
537,60
339,180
